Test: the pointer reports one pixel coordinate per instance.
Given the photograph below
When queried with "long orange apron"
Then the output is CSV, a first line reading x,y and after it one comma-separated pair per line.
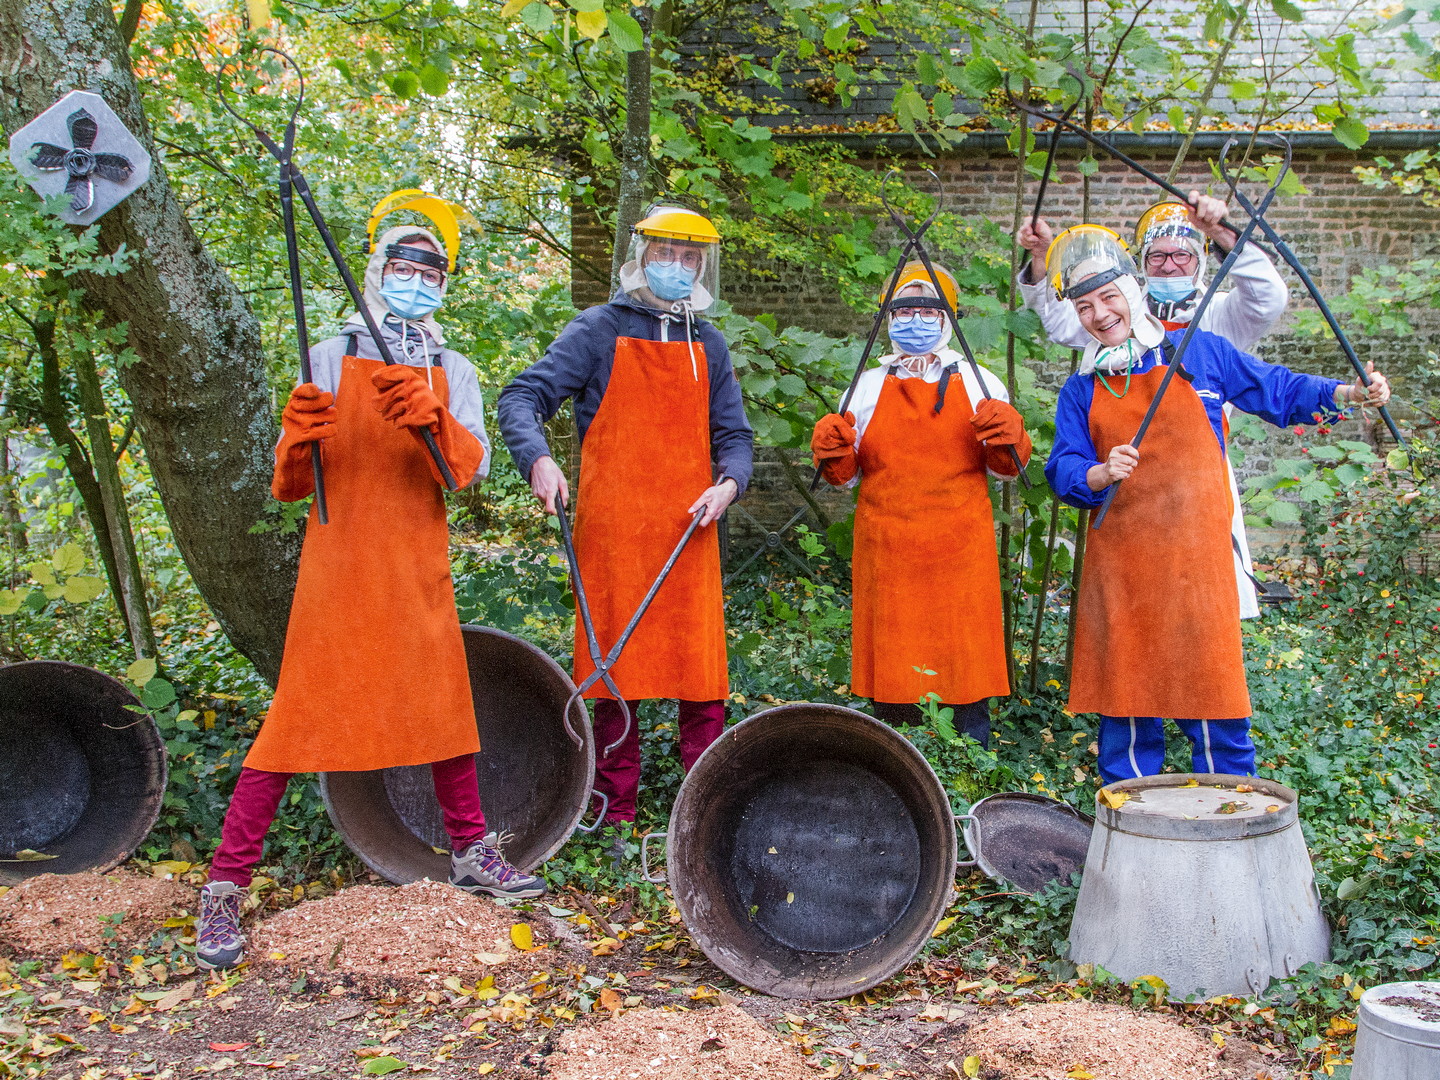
x,y
644,461
374,671
925,574
1157,630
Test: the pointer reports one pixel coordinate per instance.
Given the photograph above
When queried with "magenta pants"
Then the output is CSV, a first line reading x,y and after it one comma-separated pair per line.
x,y
618,775
258,794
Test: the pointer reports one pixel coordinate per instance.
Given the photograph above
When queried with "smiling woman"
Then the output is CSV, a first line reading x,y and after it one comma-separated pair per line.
x,y
1157,617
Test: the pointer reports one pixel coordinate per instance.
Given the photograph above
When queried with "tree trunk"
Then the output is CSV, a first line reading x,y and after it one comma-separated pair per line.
x,y
11,517
199,388
634,149
135,608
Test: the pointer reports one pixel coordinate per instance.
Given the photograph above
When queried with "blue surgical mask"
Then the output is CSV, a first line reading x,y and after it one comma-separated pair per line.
x,y
1170,290
914,336
670,281
411,299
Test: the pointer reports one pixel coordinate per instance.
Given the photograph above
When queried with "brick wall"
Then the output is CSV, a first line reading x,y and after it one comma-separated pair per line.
x,y
1336,229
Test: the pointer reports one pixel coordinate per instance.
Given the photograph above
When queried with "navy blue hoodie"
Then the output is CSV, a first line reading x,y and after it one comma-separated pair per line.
x,y
577,365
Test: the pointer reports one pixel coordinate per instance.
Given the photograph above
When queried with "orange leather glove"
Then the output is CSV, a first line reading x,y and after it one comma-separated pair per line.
x,y
309,417
834,437
406,400
832,446
999,426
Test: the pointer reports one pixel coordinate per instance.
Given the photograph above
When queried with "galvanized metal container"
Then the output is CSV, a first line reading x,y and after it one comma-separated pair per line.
x,y
535,783
81,776
1398,1036
811,851
1207,887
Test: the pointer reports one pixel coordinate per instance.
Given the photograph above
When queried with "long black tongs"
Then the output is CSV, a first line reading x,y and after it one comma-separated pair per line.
x,y
915,245
293,181
1176,362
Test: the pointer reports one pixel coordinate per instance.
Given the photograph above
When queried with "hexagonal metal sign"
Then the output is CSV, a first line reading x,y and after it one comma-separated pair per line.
x,y
81,148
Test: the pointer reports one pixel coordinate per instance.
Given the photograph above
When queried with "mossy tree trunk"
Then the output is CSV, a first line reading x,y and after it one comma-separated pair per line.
x,y
199,389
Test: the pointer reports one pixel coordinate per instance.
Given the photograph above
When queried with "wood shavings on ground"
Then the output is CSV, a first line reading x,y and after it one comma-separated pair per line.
x,y
51,913
1105,1042
423,930
719,1043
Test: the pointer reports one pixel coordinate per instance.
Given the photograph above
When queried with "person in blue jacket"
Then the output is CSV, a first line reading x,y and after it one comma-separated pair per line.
x,y
663,436
1157,616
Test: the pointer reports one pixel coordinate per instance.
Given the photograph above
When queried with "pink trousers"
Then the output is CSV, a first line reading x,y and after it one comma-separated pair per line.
x,y
618,775
257,796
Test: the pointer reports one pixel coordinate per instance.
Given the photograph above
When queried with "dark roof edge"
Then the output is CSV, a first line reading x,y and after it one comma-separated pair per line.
x,y
1128,141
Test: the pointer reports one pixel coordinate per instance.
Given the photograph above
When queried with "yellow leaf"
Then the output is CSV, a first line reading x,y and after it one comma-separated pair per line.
x,y
1192,782
789,898
68,559
10,601
29,855
591,23
972,1066
142,671
1114,799
513,8
1079,1072
1339,1025
1244,789
610,1000
485,1067
522,936
943,925
604,947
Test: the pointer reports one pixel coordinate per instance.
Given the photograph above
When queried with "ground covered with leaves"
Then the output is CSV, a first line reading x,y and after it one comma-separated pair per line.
x,y
562,994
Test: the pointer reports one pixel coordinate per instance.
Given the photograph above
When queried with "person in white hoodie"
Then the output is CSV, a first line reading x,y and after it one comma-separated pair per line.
x,y
1174,240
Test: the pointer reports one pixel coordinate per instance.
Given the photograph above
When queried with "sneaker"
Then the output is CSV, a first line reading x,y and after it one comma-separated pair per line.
x,y
480,868
218,941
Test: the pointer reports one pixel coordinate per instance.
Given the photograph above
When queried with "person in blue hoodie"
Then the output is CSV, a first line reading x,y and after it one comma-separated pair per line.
x,y
1157,630
663,436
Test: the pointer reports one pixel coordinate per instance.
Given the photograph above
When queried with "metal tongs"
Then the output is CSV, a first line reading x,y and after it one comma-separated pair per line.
x,y
293,181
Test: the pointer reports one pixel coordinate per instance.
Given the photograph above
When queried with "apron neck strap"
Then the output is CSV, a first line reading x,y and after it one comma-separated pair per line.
x,y
949,369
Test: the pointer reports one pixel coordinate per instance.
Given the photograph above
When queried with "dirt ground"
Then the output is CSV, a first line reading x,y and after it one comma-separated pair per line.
x,y
565,1000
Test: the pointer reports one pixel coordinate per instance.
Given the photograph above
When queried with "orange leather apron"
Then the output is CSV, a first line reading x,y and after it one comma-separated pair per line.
x,y
1157,630
644,461
374,671
925,574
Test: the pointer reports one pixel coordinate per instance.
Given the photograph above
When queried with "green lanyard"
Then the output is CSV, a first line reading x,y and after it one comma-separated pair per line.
x,y
1129,370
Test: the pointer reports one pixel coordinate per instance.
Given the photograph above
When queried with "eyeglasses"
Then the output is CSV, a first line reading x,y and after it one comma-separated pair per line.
x,y
924,314
405,271
667,256
1181,260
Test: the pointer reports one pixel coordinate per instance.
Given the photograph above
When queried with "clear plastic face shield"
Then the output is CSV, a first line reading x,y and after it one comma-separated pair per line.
x,y
1172,252
1083,258
675,254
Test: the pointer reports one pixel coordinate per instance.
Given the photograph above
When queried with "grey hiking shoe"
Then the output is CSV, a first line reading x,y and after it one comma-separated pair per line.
x,y
218,941
481,868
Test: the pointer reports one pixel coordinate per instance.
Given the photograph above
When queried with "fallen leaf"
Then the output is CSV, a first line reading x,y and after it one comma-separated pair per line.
x,y
382,1066
1113,799
485,1067
610,1000
1245,789
605,946
1231,807
1272,808
972,1066
172,998
1079,1072
227,1048
943,925
1339,1025
522,936
1192,782
29,855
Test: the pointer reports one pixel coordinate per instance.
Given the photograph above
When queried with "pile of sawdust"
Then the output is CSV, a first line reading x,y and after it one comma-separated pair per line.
x,y
51,913
719,1043
1053,1041
423,929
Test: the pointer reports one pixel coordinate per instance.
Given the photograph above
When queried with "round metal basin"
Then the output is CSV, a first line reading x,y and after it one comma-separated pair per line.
x,y
811,851
81,776
535,782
